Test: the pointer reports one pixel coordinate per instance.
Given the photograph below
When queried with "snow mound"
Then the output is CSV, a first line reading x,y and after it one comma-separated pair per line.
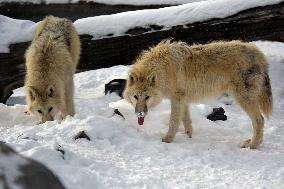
x,y
118,24
121,154
14,31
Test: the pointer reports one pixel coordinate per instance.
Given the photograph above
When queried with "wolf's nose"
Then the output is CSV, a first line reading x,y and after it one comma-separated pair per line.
x,y
140,114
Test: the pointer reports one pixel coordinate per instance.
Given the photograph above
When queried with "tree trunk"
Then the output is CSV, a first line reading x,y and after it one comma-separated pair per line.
x,y
262,23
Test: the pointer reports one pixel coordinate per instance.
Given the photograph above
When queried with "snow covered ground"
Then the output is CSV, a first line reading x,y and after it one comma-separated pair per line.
x,y
13,31
122,154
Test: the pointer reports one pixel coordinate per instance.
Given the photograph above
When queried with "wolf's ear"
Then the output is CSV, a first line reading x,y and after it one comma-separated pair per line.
x,y
50,91
32,92
152,78
132,78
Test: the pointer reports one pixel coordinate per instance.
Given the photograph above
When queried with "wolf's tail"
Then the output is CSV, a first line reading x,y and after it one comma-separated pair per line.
x,y
265,98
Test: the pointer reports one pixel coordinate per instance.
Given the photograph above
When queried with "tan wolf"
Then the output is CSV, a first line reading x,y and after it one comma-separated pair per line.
x,y
186,74
51,62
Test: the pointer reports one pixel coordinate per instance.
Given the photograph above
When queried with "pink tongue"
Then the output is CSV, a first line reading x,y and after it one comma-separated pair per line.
x,y
140,120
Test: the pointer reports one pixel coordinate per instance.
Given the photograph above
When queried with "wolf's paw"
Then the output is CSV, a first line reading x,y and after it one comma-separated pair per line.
x,y
40,122
249,144
167,139
189,133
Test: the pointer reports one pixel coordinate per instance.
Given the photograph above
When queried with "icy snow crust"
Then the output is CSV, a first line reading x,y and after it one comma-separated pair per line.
x,y
13,31
122,154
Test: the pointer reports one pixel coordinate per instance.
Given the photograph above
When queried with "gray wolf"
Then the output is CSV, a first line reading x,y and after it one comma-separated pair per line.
x,y
185,74
51,62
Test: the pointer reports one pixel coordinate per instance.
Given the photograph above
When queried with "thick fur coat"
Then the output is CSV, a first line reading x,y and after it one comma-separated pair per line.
x,y
51,62
186,74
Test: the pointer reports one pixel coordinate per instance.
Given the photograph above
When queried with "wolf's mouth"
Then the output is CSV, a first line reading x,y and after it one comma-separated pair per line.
x,y
140,120
141,116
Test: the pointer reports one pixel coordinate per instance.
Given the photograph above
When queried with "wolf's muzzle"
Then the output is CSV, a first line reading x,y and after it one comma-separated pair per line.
x,y
141,116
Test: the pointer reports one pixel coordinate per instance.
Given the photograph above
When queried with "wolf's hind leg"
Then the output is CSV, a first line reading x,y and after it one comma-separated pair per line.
x,y
250,106
187,121
176,112
257,124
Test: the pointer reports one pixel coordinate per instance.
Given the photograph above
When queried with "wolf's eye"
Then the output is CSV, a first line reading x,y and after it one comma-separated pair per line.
x,y
50,109
147,97
39,111
135,97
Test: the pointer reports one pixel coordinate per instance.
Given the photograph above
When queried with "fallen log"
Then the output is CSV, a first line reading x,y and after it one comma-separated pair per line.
x,y
73,11
261,23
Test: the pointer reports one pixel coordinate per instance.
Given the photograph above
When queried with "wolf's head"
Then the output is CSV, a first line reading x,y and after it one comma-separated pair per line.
x,y
42,103
142,92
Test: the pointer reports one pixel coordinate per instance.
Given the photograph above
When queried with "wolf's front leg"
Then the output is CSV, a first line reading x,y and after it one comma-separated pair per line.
x,y
63,109
63,113
187,121
69,98
176,112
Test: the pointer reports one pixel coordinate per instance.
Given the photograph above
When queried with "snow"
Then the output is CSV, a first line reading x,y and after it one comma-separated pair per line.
x,y
122,154
118,24
14,31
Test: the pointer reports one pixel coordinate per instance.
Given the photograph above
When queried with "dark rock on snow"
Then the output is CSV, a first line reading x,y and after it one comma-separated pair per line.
x,y
82,134
17,171
116,111
115,86
217,114
61,150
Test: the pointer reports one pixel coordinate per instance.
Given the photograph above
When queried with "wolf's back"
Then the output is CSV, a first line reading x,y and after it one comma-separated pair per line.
x,y
54,31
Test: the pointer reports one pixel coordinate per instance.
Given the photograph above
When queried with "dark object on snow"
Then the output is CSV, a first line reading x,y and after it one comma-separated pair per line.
x,y
117,86
260,23
17,170
118,113
7,96
59,149
217,114
82,134
73,11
